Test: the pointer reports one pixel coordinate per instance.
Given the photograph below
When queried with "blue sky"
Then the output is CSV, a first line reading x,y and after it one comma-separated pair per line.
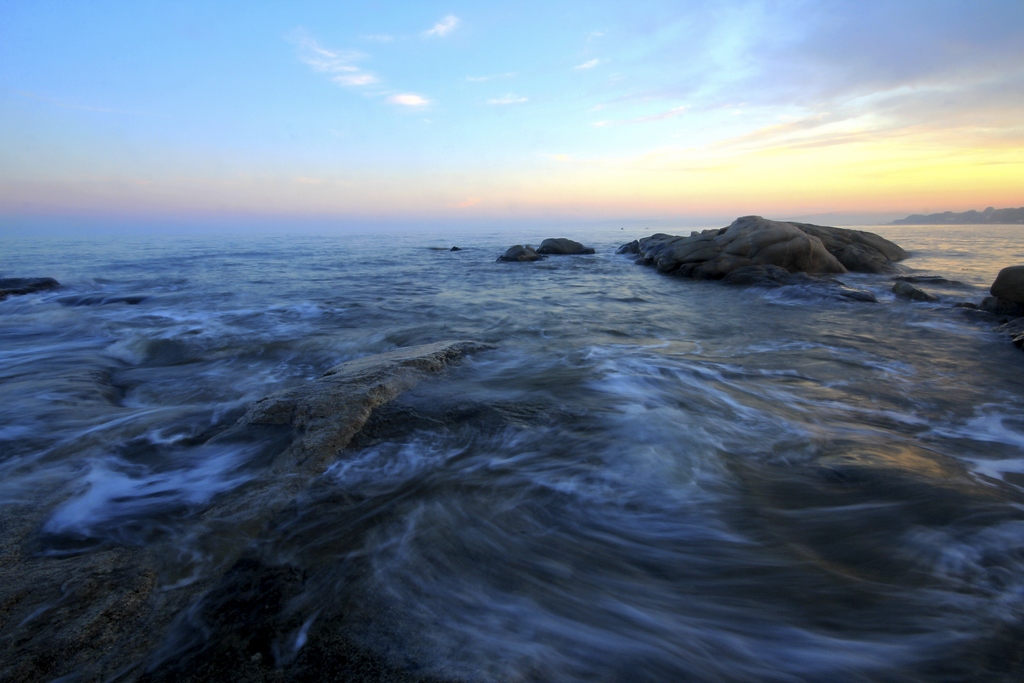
x,y
407,111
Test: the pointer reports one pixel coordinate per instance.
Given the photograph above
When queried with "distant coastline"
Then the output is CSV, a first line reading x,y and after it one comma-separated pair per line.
x,y
989,216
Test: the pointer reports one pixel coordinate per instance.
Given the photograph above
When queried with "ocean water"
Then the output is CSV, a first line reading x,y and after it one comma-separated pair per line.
x,y
647,478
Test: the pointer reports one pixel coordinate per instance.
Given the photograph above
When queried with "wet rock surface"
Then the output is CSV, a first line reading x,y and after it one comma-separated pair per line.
x,y
103,611
905,290
16,286
756,241
774,276
519,253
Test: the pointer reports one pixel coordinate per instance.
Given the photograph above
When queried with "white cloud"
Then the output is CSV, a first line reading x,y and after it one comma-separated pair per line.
x,y
588,65
331,61
443,27
409,100
355,79
508,99
491,77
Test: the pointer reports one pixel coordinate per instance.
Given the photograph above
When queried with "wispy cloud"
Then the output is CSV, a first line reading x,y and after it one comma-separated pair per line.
x,y
670,114
472,201
409,100
443,27
508,99
70,105
491,77
331,61
587,65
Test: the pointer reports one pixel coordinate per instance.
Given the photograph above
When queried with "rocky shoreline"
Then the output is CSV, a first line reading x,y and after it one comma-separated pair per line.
x,y
108,613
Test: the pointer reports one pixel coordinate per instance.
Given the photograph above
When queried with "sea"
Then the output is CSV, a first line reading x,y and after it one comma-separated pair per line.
x,y
646,478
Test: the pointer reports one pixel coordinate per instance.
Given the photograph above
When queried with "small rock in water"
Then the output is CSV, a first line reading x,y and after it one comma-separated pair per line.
x,y
455,249
520,253
905,290
14,286
562,246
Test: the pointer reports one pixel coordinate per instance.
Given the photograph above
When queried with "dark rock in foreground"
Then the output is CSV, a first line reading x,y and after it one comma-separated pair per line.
x,y
905,290
756,241
1001,307
520,253
562,245
1009,285
107,613
14,286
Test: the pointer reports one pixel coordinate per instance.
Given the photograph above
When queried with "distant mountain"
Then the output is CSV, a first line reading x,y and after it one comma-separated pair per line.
x,y
989,215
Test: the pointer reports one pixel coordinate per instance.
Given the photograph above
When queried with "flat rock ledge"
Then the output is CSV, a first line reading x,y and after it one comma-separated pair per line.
x,y
107,615
326,413
756,241
16,286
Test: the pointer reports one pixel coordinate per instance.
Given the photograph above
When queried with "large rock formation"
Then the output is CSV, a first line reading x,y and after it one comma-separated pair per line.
x,y
756,241
13,286
562,245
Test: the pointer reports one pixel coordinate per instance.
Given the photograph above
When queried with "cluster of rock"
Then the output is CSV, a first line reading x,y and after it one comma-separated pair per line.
x,y
559,246
755,241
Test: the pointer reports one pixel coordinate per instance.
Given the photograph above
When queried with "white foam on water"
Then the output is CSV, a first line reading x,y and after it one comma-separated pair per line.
x,y
113,489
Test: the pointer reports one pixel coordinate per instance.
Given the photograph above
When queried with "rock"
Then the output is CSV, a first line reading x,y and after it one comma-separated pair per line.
x,y
106,613
14,286
325,414
1001,307
100,300
455,249
561,245
1009,285
774,276
629,248
857,250
755,241
905,290
1014,328
928,280
520,253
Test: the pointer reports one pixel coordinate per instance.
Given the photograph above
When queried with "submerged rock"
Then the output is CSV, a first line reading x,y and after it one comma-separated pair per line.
x,y
905,290
327,413
756,241
91,611
520,253
928,280
562,245
15,286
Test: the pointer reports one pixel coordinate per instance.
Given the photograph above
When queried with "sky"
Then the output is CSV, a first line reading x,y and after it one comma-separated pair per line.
x,y
343,113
